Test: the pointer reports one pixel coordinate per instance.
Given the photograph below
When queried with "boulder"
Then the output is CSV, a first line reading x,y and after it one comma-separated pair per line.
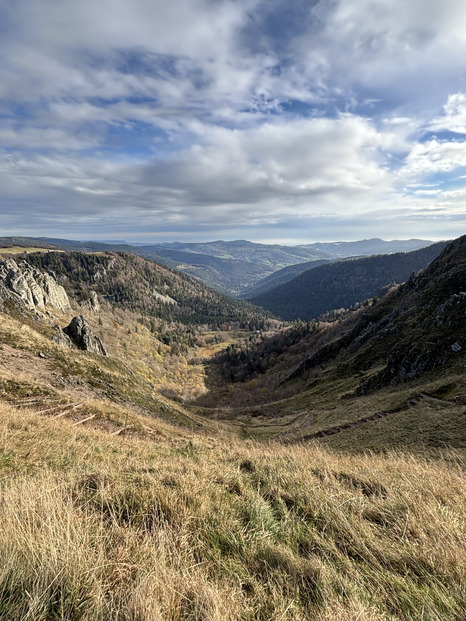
x,y
35,288
80,332
61,338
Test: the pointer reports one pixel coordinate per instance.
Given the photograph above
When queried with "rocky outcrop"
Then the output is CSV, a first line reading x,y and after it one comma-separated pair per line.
x,y
9,300
92,304
35,288
80,333
61,338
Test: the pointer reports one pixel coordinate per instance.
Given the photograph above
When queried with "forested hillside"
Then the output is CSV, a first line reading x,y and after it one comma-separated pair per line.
x,y
280,277
343,284
227,275
145,287
229,267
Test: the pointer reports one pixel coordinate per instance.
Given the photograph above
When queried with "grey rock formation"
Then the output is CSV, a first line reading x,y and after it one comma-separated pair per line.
x,y
61,338
92,304
35,288
9,301
80,332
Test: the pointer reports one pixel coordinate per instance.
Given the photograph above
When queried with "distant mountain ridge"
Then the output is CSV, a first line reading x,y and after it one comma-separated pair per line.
x,y
230,267
368,247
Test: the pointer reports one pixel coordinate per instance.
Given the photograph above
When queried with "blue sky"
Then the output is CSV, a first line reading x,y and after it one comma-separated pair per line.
x,y
275,121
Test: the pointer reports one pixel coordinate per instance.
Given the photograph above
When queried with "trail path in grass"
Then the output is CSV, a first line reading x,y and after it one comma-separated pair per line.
x,y
406,405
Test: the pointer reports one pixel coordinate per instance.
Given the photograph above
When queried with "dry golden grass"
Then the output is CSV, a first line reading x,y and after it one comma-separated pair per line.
x,y
191,522
120,378
169,524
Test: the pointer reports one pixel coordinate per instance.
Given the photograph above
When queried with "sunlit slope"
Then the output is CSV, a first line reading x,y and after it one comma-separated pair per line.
x,y
162,522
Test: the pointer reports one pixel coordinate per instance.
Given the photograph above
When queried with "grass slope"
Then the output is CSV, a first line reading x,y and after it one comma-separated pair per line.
x,y
171,524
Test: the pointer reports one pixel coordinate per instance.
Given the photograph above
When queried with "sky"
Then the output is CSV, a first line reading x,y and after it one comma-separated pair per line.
x,y
287,121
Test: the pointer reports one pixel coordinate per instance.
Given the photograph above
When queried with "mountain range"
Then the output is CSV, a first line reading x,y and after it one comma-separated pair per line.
x,y
230,267
339,284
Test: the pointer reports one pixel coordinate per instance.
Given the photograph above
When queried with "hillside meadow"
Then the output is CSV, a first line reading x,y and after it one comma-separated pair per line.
x,y
160,522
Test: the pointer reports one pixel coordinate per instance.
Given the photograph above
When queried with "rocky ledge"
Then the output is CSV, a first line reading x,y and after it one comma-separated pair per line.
x,y
35,288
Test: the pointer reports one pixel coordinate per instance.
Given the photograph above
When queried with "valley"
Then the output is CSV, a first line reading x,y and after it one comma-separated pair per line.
x,y
219,462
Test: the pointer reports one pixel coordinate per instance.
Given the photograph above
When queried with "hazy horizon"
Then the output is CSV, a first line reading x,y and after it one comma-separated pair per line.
x,y
136,242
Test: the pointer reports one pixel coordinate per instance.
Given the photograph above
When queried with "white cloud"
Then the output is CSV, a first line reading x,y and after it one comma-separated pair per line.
x,y
428,192
454,117
266,174
404,53
307,164
116,48
434,156
45,138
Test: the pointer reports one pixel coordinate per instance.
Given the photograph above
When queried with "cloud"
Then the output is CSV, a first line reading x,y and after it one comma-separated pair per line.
x,y
117,48
304,166
209,113
435,156
263,174
454,117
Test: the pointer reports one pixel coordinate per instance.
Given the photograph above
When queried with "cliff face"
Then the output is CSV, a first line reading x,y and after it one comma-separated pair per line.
x,y
35,288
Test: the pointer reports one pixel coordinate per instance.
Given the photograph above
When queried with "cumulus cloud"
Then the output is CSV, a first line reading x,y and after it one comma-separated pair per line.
x,y
454,117
435,156
308,161
406,46
213,113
